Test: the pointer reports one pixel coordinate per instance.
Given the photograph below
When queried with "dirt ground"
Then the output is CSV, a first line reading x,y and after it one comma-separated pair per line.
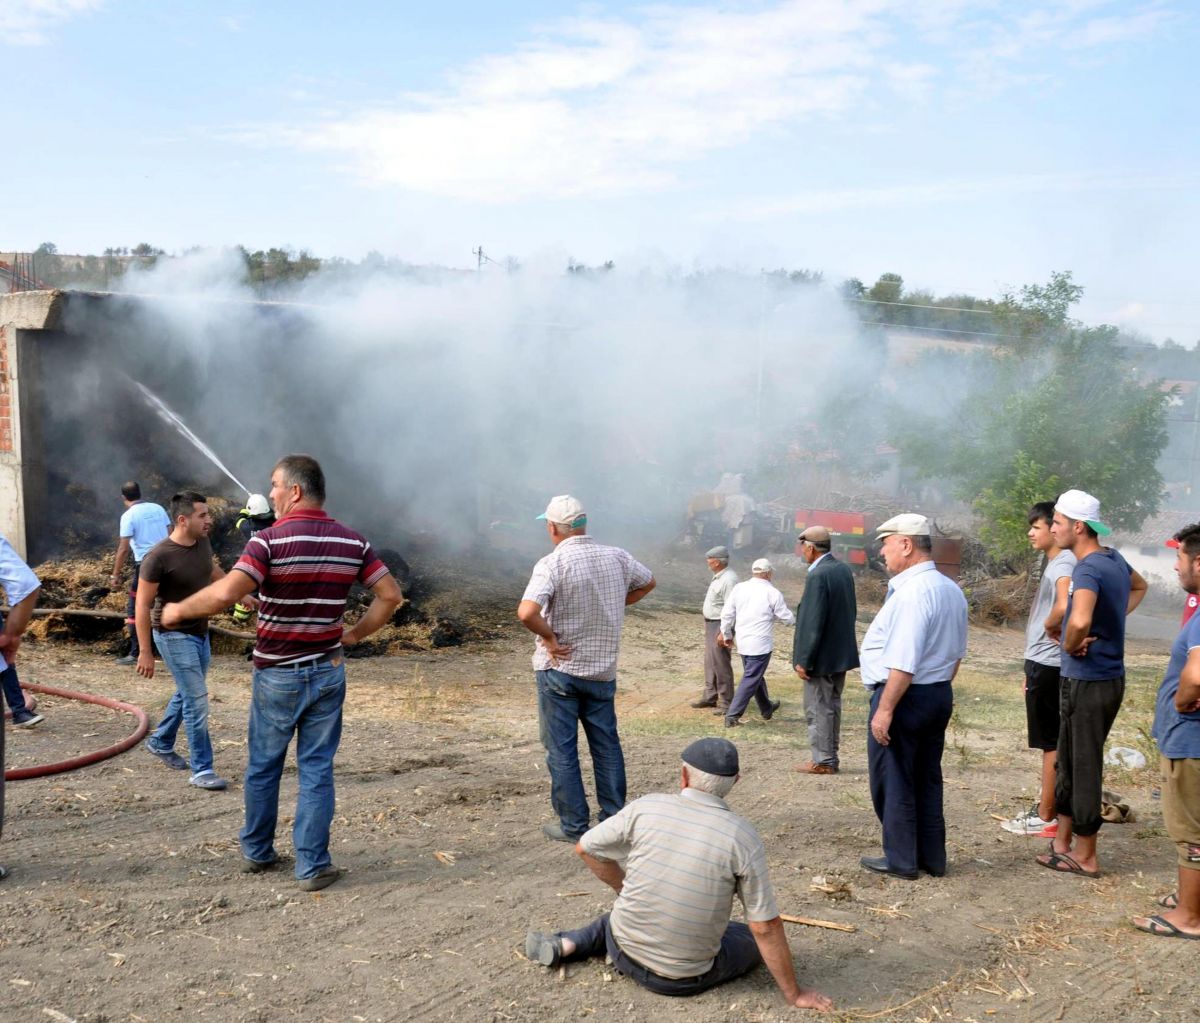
x,y
125,902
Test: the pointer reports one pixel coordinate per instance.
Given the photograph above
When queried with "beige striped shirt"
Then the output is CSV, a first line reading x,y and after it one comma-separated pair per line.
x,y
685,856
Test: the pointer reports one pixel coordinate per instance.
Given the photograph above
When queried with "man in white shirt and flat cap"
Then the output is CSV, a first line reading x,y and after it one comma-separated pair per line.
x,y
752,609
910,655
718,664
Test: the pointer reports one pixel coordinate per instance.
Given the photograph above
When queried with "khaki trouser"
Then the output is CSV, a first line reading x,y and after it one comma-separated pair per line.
x,y
718,666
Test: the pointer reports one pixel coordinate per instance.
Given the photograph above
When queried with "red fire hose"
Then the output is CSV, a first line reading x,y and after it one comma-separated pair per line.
x,y
41,770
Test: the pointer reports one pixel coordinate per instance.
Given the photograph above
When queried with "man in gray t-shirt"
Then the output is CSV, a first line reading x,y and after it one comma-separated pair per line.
x,y
1042,659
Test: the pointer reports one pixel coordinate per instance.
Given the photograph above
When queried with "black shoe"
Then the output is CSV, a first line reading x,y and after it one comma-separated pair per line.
x,y
732,722
719,711
931,872
543,948
323,878
771,713
700,704
127,659
879,865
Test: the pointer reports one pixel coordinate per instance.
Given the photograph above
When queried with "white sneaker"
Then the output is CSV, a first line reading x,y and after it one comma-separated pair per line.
x,y
1031,823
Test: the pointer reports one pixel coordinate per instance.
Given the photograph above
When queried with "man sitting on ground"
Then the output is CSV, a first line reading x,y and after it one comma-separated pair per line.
x,y
684,858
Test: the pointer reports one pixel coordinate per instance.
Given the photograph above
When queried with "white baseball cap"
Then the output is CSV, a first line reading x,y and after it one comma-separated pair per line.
x,y
761,565
905,524
565,510
1079,504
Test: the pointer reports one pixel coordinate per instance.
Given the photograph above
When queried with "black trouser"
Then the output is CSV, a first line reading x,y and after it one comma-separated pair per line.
x,y
906,777
738,955
1087,711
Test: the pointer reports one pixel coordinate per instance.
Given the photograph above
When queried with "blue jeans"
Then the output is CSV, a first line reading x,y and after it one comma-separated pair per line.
x,y
738,955
186,657
304,700
12,690
565,702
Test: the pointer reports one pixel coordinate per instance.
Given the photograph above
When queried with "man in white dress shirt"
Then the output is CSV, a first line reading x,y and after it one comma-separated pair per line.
x,y
752,609
910,656
718,666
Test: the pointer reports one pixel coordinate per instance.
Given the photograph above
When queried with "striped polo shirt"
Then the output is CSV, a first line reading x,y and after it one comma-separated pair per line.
x,y
304,566
685,857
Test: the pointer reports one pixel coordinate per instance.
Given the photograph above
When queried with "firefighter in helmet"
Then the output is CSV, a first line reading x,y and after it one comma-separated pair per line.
x,y
256,516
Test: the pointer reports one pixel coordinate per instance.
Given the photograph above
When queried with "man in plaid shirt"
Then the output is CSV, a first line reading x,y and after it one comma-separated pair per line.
x,y
575,604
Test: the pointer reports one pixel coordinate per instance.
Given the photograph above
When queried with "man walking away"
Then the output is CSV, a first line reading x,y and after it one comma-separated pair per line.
x,y
825,646
143,524
1042,660
175,568
303,567
1177,732
752,610
676,862
21,589
575,605
718,663
1104,589
910,655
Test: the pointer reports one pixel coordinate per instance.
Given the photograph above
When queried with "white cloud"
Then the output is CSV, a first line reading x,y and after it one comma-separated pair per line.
x,y
29,22
817,201
598,106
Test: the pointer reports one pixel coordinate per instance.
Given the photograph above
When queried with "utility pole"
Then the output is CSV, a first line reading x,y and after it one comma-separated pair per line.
x,y
479,258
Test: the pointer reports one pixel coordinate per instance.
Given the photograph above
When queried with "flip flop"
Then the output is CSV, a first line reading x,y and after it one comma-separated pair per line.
x,y
1165,929
1056,858
1169,901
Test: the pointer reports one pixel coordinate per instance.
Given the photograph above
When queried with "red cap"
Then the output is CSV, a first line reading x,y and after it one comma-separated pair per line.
x,y
1173,543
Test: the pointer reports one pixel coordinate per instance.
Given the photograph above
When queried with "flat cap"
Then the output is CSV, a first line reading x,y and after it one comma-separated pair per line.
x,y
718,553
905,524
817,535
712,756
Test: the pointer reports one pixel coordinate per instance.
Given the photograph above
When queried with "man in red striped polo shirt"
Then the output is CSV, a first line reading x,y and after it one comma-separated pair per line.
x,y
303,567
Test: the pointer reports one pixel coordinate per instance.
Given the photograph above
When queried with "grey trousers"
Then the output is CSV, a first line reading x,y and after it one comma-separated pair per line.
x,y
823,711
718,666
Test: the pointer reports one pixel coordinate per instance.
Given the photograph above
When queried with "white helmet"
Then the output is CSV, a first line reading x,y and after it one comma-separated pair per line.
x,y
257,505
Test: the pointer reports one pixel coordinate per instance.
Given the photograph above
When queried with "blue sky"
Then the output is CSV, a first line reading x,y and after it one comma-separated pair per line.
x,y
970,145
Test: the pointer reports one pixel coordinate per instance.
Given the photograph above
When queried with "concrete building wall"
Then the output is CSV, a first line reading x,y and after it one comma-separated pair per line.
x,y
23,317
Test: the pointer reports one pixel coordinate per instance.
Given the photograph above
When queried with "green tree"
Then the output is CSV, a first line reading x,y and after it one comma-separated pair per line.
x,y
1054,405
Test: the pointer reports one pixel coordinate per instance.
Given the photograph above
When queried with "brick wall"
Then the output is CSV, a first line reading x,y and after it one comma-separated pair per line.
x,y
6,410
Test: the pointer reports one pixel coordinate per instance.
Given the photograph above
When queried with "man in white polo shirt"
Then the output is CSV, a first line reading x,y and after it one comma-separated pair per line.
x,y
910,655
676,862
752,609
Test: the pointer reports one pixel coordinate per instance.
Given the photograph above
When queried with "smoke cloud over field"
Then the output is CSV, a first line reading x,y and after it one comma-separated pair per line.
x,y
452,402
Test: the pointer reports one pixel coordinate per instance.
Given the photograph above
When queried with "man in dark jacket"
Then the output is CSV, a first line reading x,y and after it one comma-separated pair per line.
x,y
825,647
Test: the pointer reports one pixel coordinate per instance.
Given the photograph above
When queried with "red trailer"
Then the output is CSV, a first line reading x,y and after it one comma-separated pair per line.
x,y
847,529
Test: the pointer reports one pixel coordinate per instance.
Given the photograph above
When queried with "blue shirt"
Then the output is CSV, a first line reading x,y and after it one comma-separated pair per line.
x,y
1106,574
144,524
18,582
921,628
1177,735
